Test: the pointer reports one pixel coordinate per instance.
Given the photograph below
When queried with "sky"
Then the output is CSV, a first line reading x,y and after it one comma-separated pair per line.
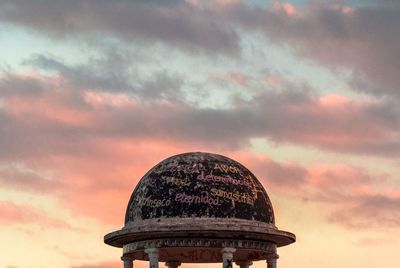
x,y
94,93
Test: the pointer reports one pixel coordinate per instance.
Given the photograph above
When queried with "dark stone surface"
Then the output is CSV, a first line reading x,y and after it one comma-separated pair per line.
x,y
199,185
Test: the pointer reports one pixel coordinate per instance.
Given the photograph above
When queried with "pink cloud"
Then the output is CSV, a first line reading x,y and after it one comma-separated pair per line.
x,y
338,176
373,242
47,110
99,99
348,195
334,100
107,179
227,2
279,176
368,211
287,8
332,121
107,264
98,145
12,214
339,123
21,178
239,78
345,9
274,79
114,264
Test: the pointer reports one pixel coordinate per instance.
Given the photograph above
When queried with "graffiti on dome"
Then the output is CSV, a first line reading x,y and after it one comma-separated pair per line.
x,y
199,185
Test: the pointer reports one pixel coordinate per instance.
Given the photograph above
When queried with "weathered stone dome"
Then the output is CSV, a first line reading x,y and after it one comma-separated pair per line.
x,y
200,185
191,205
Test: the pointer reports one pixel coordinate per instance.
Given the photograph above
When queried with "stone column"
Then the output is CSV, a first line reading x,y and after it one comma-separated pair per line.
x,y
227,257
271,261
153,257
173,264
244,264
128,261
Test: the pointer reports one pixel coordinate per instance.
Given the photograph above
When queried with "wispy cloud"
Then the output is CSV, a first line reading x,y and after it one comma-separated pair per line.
x,y
110,264
23,214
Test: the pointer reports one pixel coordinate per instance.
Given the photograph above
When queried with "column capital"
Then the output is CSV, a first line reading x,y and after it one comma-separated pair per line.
x,y
173,264
128,261
127,258
273,256
153,257
244,264
228,251
227,257
272,260
151,251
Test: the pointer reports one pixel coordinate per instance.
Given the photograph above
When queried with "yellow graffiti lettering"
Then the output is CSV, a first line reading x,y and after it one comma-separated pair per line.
x,y
235,196
228,168
177,181
154,203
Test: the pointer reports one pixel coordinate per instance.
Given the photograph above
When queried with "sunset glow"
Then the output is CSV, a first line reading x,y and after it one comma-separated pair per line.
x,y
303,93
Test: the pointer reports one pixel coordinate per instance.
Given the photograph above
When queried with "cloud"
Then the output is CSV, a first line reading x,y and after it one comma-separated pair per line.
x,y
114,264
360,206
112,72
27,84
81,130
349,196
72,132
235,77
279,176
365,40
369,211
177,23
287,8
12,214
25,179
65,118
109,264
373,242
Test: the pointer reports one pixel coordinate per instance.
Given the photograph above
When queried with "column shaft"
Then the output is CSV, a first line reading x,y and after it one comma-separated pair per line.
x,y
128,264
128,261
272,261
227,257
153,257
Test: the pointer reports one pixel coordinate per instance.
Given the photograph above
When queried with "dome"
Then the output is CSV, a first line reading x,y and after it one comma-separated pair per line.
x,y
193,204
199,185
